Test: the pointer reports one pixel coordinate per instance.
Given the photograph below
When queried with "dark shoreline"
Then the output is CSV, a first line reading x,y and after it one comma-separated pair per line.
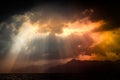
x,y
56,76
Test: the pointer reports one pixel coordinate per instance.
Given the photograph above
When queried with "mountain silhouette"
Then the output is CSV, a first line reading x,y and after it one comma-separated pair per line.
x,y
87,67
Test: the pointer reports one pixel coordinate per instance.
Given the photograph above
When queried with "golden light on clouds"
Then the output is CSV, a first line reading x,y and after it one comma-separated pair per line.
x,y
81,27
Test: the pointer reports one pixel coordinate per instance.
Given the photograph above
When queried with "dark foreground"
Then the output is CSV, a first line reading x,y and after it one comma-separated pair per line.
x,y
73,70
87,67
30,76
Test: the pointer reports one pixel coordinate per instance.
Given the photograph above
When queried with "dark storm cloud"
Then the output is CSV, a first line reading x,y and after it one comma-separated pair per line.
x,y
10,8
104,9
71,10
108,11
54,15
108,26
53,18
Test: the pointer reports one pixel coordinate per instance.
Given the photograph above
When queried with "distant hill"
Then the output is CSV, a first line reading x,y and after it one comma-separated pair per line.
x,y
33,68
87,67
29,69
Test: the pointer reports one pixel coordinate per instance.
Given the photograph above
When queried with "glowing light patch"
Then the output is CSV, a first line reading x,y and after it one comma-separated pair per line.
x,y
79,46
98,57
80,28
26,34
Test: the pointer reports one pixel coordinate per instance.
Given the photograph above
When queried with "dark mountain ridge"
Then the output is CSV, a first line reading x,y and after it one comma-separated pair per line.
x,y
87,67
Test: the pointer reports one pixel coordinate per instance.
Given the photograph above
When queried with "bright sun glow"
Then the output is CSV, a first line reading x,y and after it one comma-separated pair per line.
x,y
80,27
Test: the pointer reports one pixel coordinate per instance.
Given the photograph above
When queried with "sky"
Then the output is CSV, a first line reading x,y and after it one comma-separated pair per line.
x,y
52,32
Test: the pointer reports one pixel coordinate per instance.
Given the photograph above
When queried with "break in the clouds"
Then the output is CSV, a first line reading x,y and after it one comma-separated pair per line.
x,y
54,33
